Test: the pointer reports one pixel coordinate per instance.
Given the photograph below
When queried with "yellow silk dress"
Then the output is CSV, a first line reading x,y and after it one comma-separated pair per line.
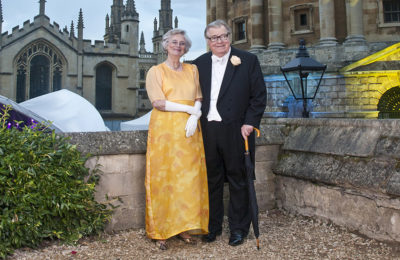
x,y
176,175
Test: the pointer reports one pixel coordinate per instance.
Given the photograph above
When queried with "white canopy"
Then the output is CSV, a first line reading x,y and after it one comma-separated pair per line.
x,y
67,111
23,114
141,123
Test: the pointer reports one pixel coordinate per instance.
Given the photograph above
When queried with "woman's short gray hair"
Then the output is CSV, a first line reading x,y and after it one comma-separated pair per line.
x,y
170,33
217,24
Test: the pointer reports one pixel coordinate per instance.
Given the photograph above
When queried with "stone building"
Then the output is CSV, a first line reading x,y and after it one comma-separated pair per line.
x,y
337,33
41,57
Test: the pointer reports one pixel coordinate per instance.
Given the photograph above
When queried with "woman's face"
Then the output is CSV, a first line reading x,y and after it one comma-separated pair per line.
x,y
176,45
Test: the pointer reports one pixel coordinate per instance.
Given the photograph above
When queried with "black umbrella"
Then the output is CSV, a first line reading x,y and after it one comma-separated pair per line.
x,y
252,192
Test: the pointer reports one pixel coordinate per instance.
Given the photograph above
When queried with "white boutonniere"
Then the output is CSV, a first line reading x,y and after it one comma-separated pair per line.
x,y
235,60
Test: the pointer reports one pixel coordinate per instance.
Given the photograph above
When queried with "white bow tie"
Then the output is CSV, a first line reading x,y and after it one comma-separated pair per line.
x,y
217,59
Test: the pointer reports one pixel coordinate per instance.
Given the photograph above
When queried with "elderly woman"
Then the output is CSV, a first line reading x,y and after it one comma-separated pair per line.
x,y
176,177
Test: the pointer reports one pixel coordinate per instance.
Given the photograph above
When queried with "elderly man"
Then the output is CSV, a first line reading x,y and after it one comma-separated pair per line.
x,y
234,100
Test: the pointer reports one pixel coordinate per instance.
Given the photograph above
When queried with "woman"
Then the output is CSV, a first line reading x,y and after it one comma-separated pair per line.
x,y
176,177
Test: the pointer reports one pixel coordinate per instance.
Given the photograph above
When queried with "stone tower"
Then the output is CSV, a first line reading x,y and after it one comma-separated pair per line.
x,y
130,27
142,44
164,25
42,7
113,34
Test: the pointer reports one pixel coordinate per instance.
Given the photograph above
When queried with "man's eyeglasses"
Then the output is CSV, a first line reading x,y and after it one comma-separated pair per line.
x,y
222,37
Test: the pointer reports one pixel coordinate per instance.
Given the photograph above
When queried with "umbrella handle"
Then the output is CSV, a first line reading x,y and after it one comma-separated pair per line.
x,y
246,143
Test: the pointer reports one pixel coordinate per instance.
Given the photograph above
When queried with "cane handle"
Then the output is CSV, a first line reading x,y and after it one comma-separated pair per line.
x,y
246,143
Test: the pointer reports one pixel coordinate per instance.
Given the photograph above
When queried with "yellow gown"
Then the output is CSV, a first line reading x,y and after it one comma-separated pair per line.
x,y
176,175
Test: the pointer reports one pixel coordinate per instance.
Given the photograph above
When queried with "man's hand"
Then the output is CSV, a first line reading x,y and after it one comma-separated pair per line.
x,y
246,130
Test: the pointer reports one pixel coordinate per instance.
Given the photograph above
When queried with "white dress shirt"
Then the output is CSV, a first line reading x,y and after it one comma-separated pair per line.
x,y
217,75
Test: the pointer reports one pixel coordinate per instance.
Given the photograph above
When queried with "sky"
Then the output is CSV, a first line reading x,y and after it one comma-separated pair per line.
x,y
191,16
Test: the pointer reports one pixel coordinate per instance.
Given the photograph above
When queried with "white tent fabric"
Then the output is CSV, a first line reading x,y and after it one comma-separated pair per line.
x,y
26,112
141,123
67,111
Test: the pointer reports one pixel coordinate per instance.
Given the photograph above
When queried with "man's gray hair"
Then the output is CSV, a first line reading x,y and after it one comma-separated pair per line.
x,y
170,33
217,24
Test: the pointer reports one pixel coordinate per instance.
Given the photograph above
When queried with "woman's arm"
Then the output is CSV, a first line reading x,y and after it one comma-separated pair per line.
x,y
165,105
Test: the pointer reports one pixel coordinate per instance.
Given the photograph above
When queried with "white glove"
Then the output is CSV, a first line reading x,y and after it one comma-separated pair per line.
x,y
197,107
191,125
176,107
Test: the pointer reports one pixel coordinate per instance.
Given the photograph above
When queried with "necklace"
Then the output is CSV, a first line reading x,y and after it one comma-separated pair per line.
x,y
176,68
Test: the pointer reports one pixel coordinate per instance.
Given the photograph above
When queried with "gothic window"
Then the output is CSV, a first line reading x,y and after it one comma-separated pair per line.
x,y
39,69
301,19
391,11
388,13
21,80
127,28
389,104
39,72
103,87
239,30
142,74
57,79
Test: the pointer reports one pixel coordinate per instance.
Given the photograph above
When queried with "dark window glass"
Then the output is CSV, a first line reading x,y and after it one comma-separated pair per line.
x,y
39,76
241,29
391,11
303,19
103,87
21,80
56,79
142,74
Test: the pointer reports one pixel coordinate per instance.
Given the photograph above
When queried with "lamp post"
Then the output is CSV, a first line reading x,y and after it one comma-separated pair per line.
x,y
298,71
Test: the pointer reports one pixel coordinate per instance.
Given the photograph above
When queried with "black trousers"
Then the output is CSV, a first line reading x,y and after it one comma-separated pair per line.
x,y
224,151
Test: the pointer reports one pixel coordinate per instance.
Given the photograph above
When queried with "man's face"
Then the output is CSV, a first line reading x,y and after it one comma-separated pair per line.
x,y
218,40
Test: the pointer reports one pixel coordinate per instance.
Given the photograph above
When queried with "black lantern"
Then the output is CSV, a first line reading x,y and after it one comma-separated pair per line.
x,y
303,72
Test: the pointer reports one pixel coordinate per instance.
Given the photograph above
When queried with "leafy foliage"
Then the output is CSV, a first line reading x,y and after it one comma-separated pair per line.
x,y
45,189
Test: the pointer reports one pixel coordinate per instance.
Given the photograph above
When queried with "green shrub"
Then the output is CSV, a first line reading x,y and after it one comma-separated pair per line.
x,y
45,189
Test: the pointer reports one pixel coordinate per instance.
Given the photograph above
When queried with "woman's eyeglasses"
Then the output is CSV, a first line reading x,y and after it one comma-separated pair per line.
x,y
176,43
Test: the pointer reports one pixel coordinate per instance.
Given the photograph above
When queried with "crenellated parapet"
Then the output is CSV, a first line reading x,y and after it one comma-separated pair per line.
x,y
38,23
102,47
64,35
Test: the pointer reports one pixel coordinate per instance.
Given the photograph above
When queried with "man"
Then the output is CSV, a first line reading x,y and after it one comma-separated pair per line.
x,y
234,99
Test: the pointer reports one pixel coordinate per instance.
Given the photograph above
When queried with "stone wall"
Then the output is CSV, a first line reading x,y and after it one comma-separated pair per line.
x,y
120,157
343,170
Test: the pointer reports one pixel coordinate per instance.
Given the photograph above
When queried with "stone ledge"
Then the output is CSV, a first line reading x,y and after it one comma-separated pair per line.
x,y
367,213
382,176
106,143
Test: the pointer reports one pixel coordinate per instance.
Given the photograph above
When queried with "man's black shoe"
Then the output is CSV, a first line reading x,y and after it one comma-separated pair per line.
x,y
211,236
237,238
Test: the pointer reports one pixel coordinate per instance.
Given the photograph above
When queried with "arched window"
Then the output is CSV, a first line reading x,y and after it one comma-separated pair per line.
x,y
39,69
104,87
389,104
142,73
39,80
21,84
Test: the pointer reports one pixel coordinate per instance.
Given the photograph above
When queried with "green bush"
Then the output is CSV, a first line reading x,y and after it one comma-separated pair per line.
x,y
45,189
